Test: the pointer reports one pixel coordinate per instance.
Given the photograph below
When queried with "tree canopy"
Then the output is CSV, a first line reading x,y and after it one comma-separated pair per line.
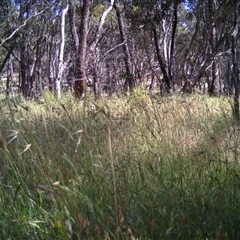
x,y
170,45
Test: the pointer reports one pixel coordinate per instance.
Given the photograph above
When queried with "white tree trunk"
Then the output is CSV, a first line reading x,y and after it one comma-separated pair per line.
x,y
61,53
100,25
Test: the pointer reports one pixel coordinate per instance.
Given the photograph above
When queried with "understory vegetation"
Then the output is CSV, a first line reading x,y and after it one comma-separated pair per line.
x,y
136,167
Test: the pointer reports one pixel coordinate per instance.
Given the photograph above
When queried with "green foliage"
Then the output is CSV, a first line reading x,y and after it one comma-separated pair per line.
x,y
175,162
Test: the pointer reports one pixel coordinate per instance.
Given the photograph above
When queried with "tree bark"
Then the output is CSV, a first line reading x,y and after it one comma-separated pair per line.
x,y
75,37
235,61
73,27
100,26
61,53
172,44
9,75
127,58
10,50
160,60
95,52
80,82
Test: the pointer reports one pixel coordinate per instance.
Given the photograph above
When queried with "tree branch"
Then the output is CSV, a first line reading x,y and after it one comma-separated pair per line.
x,y
21,26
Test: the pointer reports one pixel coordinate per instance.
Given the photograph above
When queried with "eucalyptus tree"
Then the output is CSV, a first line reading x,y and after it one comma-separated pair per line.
x,y
209,25
8,19
27,39
31,43
95,45
235,39
126,53
159,21
81,78
94,50
60,68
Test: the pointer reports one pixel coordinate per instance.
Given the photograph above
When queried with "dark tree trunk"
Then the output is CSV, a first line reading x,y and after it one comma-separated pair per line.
x,y
74,33
162,64
80,82
235,62
211,87
23,69
6,58
174,29
9,75
127,58
24,57
73,27
50,62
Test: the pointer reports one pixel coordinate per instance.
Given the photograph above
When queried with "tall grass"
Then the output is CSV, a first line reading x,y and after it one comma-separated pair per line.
x,y
135,167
